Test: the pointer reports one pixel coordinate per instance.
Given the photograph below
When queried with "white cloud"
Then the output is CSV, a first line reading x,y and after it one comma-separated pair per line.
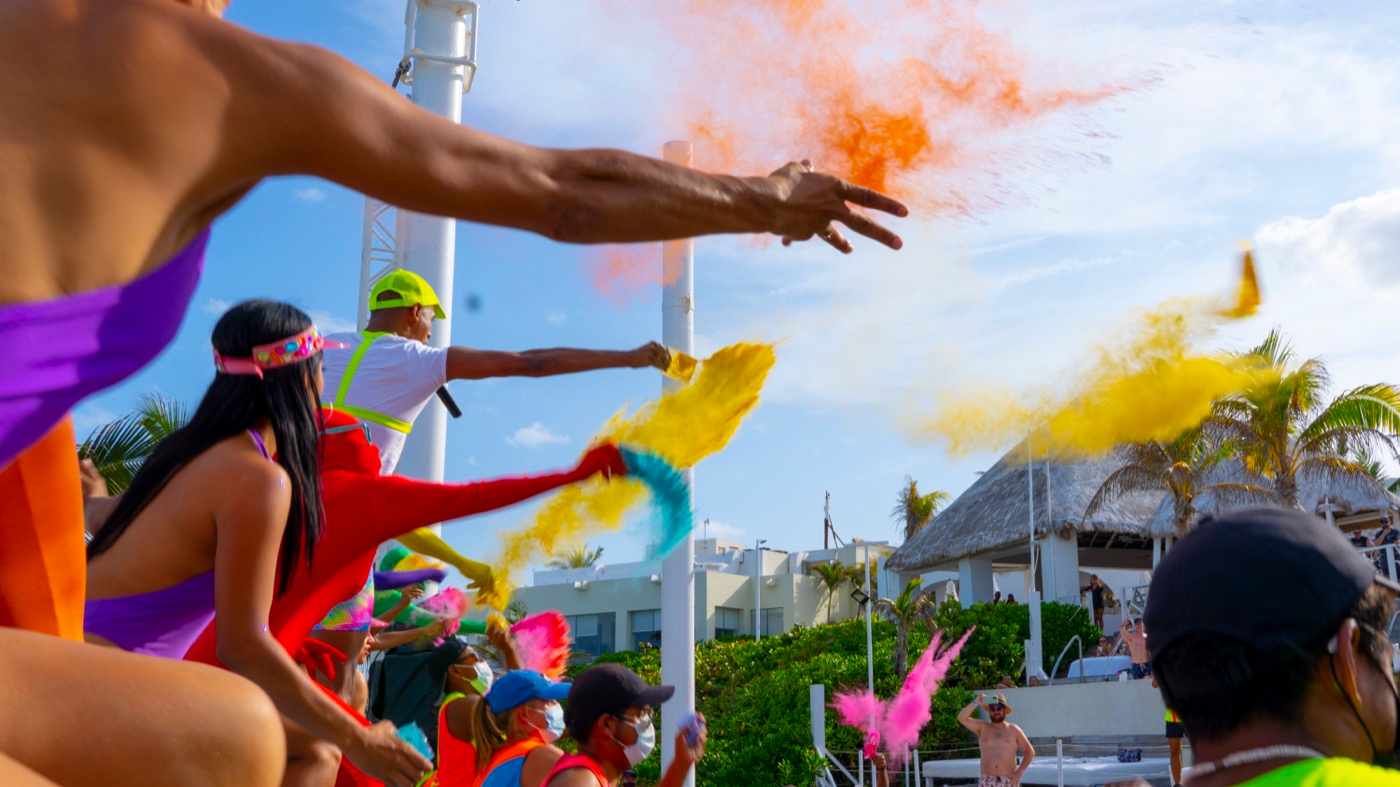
x,y
310,194
556,318
534,436
216,306
327,322
1331,283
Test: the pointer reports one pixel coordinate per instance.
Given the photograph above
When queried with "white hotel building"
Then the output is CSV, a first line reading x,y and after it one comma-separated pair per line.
x,y
618,607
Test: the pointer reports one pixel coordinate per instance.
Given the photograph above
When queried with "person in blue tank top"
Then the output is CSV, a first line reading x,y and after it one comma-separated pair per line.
x,y
1291,685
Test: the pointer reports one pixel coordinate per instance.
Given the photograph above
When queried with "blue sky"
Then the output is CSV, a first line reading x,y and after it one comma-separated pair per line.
x,y
1267,121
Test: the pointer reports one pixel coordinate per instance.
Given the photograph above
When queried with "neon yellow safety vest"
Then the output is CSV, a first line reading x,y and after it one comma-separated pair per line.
x,y
1332,772
384,420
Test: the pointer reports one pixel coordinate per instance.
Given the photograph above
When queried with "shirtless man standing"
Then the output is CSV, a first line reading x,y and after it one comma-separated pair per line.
x,y
1000,742
1135,635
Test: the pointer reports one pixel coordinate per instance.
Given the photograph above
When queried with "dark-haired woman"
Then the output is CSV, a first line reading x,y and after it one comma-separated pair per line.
x,y
212,521
130,125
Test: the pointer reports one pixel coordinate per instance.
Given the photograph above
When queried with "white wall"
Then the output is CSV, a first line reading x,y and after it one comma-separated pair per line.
x,y
1114,708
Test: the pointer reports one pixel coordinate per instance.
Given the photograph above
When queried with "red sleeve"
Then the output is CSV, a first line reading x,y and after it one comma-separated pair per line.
x,y
363,511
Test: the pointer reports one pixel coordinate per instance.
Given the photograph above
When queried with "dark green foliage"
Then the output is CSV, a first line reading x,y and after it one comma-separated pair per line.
x,y
754,694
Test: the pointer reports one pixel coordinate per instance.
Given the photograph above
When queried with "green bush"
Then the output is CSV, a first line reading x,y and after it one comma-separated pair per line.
x,y
754,694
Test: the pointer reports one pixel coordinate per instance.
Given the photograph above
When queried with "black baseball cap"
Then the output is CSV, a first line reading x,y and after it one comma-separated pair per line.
x,y
608,689
1267,576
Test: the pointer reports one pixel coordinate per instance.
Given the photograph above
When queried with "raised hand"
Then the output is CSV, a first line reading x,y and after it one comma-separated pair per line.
x,y
812,203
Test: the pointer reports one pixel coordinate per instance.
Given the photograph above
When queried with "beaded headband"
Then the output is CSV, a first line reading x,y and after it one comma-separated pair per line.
x,y
274,354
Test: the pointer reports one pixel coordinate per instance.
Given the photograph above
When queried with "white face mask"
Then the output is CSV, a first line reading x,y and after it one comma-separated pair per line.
x,y
484,678
646,741
554,723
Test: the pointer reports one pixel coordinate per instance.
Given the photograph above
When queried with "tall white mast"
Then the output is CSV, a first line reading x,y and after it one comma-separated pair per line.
x,y
439,64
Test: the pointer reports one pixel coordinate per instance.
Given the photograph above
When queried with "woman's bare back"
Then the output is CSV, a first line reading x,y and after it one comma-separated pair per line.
x,y
131,195
174,538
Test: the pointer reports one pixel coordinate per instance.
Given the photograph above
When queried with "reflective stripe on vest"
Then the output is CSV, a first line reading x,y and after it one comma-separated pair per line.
x,y
386,421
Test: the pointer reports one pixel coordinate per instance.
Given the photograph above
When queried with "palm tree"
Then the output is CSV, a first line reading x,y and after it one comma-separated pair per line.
x,y
1283,427
913,604
832,576
913,510
1179,468
119,448
577,557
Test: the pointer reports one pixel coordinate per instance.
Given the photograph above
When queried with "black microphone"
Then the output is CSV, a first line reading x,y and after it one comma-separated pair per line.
x,y
449,402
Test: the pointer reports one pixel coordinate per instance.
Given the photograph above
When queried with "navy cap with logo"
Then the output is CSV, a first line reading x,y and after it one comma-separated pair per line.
x,y
608,690
1267,576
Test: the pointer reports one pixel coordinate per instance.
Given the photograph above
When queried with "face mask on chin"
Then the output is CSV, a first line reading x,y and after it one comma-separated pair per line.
x,y
484,678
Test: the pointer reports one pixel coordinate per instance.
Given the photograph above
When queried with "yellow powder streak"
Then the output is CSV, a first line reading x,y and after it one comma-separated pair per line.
x,y
1154,388
683,427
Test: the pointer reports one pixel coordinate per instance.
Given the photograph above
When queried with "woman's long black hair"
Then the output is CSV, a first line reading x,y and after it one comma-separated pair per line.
x,y
286,397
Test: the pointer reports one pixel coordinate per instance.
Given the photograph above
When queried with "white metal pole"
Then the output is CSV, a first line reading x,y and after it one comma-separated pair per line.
x,y
429,243
677,578
757,580
869,628
1060,761
1034,658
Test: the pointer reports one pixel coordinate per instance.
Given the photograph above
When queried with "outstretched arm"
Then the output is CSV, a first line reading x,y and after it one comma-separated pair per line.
x,y
392,639
409,594
425,542
465,363
296,108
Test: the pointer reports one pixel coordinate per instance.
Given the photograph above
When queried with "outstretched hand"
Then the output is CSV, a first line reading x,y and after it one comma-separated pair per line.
x,y
812,203
480,580
653,354
603,458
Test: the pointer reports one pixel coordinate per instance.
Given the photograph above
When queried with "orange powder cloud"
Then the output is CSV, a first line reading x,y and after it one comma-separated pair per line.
x,y
920,99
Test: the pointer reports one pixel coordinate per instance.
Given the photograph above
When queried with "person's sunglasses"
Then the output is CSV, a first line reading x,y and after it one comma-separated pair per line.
x,y
996,706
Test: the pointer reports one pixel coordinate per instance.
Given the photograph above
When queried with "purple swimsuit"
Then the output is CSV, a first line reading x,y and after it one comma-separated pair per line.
x,y
163,622
55,353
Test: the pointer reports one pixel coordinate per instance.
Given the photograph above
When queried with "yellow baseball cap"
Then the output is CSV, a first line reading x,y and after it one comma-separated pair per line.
x,y
412,289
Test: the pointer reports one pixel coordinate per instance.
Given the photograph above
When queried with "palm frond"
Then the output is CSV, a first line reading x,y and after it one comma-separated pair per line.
x,y
163,416
1126,480
118,449
1238,495
1374,408
1339,469
1274,350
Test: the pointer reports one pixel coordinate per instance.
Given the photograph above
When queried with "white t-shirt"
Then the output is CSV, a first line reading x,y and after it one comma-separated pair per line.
x,y
396,377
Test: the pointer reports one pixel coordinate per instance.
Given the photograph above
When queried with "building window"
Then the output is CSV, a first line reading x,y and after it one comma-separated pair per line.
x,y
593,634
772,621
727,621
646,628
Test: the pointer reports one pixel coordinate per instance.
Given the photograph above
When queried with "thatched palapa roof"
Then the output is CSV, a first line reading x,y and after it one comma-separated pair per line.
x,y
992,513
1349,495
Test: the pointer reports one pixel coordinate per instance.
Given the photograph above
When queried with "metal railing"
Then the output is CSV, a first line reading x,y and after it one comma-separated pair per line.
x,y
1384,557
1055,669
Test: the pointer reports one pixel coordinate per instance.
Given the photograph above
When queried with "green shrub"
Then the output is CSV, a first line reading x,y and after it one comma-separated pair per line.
x,y
754,694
